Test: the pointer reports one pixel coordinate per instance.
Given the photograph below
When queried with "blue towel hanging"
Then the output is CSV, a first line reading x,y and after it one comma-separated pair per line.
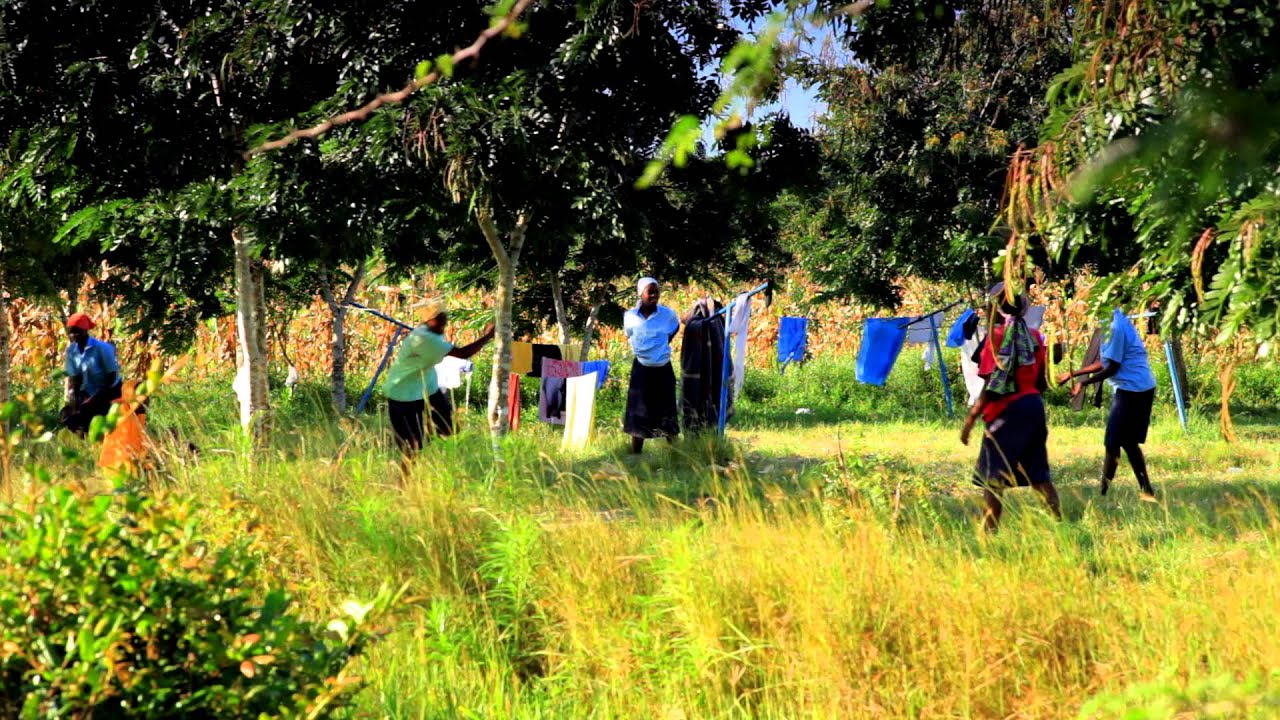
x,y
956,337
600,367
882,340
792,339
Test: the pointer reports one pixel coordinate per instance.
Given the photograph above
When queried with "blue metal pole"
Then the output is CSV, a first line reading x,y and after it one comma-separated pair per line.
x,y
391,346
1177,384
724,373
942,368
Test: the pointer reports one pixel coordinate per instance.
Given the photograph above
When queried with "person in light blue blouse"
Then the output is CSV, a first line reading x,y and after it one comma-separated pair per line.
x,y
651,396
1124,363
92,375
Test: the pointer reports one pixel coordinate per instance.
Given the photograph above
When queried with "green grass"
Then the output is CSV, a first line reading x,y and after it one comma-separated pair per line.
x,y
819,565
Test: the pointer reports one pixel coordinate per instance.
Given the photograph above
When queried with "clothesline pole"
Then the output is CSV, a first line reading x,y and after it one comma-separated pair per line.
x,y
926,316
942,368
391,346
380,314
723,419
1174,376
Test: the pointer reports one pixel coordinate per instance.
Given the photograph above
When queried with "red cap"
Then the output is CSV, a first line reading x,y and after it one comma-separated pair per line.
x,y
80,320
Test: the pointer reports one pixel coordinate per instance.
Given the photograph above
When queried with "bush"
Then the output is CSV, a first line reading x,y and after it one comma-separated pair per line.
x,y
116,606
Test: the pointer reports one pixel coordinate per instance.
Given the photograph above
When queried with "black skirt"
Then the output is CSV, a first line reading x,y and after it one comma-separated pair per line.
x,y
651,402
1014,449
1129,419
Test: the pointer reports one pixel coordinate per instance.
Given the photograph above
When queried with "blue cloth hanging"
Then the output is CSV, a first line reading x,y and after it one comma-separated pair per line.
x,y
792,339
600,367
956,337
882,340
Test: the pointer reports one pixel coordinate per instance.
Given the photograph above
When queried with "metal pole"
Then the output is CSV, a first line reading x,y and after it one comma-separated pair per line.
x,y
1174,375
942,368
391,346
724,374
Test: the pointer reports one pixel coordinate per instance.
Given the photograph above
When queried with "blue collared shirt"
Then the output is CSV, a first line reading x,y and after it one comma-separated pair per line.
x,y
650,337
92,365
1125,347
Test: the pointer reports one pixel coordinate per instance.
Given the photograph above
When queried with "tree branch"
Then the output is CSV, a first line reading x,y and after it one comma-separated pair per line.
x,y
362,113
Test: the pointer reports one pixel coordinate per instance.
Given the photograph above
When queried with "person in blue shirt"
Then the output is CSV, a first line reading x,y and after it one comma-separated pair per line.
x,y
411,385
1124,363
651,395
92,375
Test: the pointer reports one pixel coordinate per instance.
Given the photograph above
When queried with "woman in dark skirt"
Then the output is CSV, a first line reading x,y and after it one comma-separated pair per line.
x,y
651,396
1014,449
1124,363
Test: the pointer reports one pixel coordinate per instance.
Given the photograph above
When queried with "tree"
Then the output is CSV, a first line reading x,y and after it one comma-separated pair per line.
x,y
926,103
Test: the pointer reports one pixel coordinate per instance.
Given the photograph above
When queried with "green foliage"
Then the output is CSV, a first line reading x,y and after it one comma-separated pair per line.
x,y
124,605
1254,696
1166,129
924,108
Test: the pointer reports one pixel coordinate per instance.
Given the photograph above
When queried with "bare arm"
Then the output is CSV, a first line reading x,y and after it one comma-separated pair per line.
x,y
466,351
974,412
1110,370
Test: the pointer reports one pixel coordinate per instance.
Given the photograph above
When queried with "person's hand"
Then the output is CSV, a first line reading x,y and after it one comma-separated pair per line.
x,y
967,430
488,331
1064,378
1079,388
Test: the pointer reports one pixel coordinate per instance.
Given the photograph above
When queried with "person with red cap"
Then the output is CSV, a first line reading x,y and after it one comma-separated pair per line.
x,y
93,375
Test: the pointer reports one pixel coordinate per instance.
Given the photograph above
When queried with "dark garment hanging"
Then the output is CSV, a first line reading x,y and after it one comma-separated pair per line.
x,y
552,400
1092,355
702,366
550,352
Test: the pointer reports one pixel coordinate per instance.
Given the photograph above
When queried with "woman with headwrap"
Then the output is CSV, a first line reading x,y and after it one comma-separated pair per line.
x,y
1014,449
93,375
651,396
411,384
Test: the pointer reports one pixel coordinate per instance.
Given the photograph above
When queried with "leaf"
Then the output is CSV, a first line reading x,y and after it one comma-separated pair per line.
x,y
248,669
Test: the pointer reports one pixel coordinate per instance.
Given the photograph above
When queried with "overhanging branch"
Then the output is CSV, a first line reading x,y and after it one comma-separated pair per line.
x,y
362,113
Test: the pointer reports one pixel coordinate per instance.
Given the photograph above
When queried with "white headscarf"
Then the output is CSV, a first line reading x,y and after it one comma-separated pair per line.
x,y
644,283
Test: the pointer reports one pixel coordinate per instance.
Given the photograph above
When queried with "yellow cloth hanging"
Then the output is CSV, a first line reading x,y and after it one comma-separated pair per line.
x,y
580,411
521,358
570,352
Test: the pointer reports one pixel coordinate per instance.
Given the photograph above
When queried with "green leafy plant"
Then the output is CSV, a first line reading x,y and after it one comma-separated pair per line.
x,y
122,605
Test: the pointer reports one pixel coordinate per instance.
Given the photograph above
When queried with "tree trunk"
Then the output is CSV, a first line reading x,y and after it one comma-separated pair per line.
x,y
508,259
251,336
1227,376
338,326
589,331
562,316
4,342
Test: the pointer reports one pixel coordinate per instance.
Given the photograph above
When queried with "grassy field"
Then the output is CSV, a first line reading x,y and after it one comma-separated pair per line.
x,y
823,564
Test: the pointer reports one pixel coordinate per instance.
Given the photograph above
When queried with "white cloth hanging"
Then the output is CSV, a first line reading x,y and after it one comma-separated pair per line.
x,y
580,411
738,331
452,372
969,369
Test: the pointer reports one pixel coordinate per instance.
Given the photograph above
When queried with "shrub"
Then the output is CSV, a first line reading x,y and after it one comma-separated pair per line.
x,y
115,606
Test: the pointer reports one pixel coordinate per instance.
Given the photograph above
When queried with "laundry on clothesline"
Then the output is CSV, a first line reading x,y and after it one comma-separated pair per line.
x,y
738,325
580,411
543,352
452,372
552,396
919,332
882,341
513,401
792,339
1035,317
702,367
600,368
570,352
521,358
963,328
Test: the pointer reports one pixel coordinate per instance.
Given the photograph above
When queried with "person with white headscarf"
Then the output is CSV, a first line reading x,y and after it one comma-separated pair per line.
x,y
651,396
412,384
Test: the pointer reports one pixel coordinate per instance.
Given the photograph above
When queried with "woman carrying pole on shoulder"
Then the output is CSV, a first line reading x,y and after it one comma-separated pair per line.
x,y
651,396
1014,450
